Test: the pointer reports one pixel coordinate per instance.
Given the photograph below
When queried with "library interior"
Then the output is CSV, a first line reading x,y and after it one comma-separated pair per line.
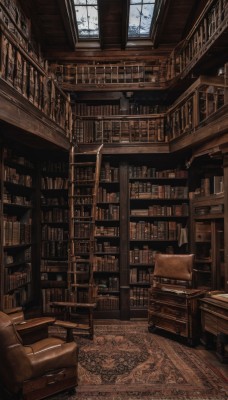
x,y
113,199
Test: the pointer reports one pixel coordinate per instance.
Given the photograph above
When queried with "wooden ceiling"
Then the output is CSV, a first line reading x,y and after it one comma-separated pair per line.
x,y
53,24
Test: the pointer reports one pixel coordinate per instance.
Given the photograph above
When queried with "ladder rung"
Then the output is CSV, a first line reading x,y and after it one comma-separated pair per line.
x,y
80,285
73,304
83,163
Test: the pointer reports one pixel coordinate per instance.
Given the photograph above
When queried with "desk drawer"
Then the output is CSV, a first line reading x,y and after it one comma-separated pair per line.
x,y
171,325
168,297
169,310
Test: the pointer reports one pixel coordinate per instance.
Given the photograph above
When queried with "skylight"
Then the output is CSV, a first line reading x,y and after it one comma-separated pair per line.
x,y
86,12
140,18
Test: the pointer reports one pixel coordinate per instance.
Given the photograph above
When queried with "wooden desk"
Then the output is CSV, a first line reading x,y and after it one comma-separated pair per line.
x,y
214,319
175,310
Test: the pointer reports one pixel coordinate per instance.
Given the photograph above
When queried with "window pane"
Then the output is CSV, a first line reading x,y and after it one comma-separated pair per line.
x,y
87,18
140,17
85,2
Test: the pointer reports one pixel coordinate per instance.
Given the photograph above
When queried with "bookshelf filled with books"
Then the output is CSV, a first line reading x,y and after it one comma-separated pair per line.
x,y
104,75
54,232
17,242
107,240
207,211
158,222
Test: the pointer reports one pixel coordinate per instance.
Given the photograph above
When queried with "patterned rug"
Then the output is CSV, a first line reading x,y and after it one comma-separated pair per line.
x,y
126,362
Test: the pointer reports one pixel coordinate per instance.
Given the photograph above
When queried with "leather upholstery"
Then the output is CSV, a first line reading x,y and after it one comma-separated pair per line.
x,y
20,363
174,266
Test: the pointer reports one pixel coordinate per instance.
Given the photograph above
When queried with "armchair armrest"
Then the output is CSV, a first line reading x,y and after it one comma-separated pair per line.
x,y
34,329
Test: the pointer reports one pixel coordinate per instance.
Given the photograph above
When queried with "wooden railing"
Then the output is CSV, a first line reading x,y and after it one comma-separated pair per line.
x,y
33,82
152,74
212,22
203,99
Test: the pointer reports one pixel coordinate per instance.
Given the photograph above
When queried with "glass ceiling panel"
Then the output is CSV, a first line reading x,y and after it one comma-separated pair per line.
x,y
140,17
86,12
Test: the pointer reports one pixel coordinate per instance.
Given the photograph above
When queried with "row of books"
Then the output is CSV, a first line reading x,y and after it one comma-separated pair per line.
x,y
144,171
83,109
52,294
15,279
35,85
54,201
106,247
145,255
112,212
159,230
138,297
109,173
10,198
84,174
54,249
110,73
55,167
18,24
107,302
104,196
158,210
54,183
54,233
55,215
53,266
82,230
107,231
15,232
139,275
11,175
148,190
113,131
107,263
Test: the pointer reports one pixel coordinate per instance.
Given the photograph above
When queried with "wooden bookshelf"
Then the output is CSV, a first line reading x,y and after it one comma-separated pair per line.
x,y
105,75
158,222
54,232
107,240
121,129
16,239
207,220
29,76
211,24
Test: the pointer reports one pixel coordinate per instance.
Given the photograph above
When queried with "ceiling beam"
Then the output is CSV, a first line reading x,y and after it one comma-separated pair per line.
x,y
67,12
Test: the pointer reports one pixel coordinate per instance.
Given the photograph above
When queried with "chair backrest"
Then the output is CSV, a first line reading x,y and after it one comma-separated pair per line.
x,y
177,267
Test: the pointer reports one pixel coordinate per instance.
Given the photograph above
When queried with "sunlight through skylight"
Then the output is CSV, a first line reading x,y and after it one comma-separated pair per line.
x,y
86,12
140,17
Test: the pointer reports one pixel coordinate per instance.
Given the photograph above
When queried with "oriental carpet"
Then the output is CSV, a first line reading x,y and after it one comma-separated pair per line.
x,y
126,362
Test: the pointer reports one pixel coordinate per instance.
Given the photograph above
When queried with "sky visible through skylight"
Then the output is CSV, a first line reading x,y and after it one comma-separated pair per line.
x,y
140,17
86,12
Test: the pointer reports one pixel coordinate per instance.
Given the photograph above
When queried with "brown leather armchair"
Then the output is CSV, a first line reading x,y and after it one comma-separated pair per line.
x,y
37,370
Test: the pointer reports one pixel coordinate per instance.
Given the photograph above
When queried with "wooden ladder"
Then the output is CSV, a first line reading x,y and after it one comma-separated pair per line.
x,y
84,168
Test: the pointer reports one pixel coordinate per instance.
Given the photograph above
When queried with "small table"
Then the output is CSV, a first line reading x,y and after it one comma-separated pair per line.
x,y
214,319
